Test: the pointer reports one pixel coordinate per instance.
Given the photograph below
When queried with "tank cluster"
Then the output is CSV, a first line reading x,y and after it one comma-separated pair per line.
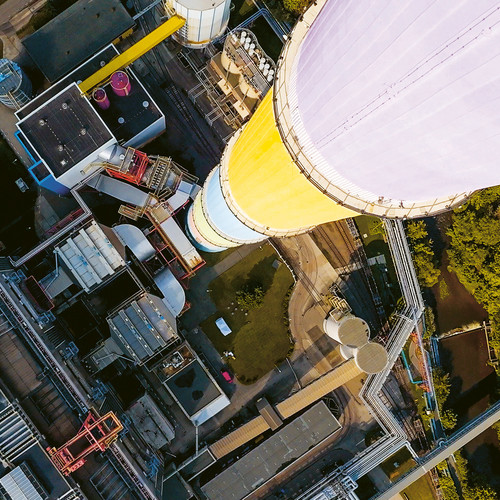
x,y
241,49
120,85
353,335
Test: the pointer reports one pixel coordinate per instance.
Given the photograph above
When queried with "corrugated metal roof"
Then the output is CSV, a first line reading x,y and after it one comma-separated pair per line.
x,y
90,256
319,388
143,327
239,437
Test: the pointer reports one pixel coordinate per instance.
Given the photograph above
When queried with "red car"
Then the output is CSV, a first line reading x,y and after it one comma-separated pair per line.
x,y
228,377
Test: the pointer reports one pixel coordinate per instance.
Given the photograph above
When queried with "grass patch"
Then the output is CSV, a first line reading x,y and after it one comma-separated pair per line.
x,y
398,464
419,490
259,338
444,291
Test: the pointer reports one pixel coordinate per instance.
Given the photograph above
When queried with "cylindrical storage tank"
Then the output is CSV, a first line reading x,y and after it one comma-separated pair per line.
x,y
349,330
120,83
227,64
247,89
346,352
371,358
205,20
101,98
15,86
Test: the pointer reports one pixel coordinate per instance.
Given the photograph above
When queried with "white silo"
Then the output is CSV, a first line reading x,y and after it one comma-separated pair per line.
x,y
348,330
205,20
15,86
371,358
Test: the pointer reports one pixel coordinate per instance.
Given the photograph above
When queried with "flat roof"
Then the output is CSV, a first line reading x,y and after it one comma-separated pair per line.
x,y
137,110
58,47
79,74
193,388
65,130
273,455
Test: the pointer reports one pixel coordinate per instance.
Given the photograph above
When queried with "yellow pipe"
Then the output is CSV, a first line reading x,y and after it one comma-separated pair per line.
x,y
131,54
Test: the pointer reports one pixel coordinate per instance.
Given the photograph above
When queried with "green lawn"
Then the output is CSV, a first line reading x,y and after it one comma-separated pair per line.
x,y
419,490
259,339
398,464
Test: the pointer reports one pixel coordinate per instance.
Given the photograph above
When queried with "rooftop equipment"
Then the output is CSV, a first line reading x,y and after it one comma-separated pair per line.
x,y
101,98
120,83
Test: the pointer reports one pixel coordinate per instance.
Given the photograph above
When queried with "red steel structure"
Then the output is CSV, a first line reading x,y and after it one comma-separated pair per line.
x,y
132,167
96,433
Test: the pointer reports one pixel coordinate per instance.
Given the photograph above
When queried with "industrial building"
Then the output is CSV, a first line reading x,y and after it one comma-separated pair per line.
x,y
26,470
291,443
57,49
191,385
353,126
66,132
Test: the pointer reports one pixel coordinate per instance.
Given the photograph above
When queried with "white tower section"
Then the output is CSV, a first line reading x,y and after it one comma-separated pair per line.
x,y
205,20
397,103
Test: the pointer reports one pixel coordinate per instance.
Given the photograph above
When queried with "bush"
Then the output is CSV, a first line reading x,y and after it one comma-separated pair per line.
x,y
423,254
430,323
296,6
442,387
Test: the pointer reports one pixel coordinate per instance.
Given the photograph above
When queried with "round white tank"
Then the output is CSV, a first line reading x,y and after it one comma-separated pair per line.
x,y
15,86
346,352
348,330
371,358
205,20
247,89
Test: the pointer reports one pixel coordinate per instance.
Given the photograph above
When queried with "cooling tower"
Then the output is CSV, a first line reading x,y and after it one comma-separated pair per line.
x,y
385,108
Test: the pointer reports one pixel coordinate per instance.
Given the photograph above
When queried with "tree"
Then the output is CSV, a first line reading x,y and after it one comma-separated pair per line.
x,y
442,388
430,323
475,252
296,6
250,297
423,254
416,230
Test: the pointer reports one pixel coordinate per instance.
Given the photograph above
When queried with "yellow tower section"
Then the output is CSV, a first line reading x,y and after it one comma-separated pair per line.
x,y
263,186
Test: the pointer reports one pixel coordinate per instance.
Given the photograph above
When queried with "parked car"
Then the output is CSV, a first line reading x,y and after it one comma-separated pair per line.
x,y
228,377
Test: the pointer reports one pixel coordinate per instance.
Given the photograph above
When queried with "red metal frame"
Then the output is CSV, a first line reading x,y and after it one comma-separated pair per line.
x,y
96,433
135,173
